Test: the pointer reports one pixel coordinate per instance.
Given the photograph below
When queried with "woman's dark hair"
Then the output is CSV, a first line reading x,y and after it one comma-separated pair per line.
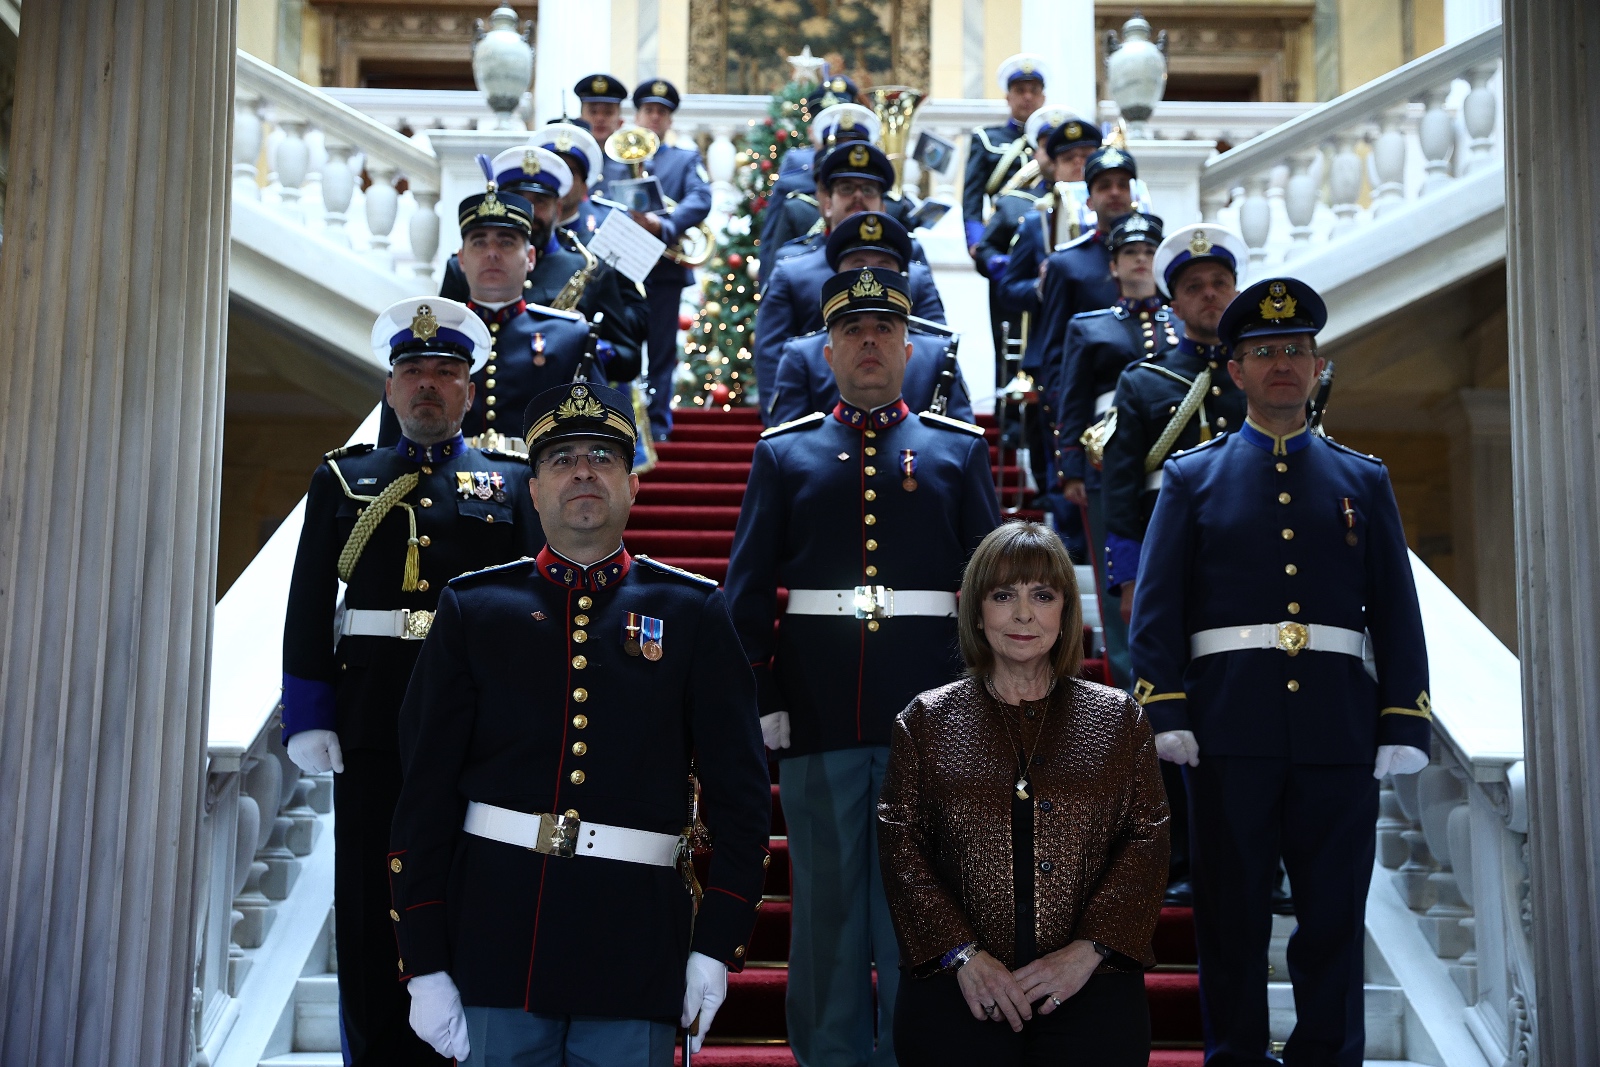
x,y
1020,552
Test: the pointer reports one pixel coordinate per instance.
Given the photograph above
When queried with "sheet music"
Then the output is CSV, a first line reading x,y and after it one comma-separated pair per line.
x,y
626,246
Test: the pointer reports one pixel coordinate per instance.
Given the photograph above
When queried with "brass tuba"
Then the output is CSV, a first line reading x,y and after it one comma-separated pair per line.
x,y
634,146
895,105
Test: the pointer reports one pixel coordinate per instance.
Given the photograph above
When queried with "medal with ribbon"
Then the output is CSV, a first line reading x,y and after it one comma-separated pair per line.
x,y
651,633
464,483
481,489
630,634
538,350
497,482
908,467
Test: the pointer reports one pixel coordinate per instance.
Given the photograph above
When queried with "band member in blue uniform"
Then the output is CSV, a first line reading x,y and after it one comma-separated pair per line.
x,y
794,206
1016,202
685,183
1098,346
600,98
852,179
395,524
581,153
866,516
560,267
1274,560
997,152
805,381
547,738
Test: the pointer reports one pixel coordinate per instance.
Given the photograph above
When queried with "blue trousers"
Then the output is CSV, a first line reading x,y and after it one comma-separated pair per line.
x,y
841,925
1118,657
511,1037
663,351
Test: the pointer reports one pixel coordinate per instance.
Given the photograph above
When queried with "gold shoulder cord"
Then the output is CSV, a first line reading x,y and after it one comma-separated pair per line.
x,y
1192,402
377,508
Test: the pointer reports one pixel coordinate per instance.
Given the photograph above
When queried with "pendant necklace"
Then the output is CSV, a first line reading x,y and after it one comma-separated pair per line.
x,y
1027,761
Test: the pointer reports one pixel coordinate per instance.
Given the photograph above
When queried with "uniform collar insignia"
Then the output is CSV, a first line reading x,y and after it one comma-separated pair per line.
x,y
499,316
434,453
878,418
1149,303
1287,445
1212,353
595,577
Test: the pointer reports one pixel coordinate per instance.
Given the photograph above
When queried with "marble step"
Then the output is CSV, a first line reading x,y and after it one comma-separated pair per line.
x,y
316,1015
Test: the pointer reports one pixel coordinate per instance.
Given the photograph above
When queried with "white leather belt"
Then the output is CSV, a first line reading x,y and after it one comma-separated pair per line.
x,y
404,623
1153,480
1291,637
561,835
872,602
1102,403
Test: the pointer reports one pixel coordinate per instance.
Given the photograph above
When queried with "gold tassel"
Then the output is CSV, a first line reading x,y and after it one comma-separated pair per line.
x,y
408,584
368,521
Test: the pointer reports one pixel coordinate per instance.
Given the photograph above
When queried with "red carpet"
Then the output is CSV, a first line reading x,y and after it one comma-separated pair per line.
x,y
685,515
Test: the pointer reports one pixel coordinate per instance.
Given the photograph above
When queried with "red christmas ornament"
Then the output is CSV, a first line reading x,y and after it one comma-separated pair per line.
x,y
720,394
685,320
758,203
783,135
735,260
769,124
766,165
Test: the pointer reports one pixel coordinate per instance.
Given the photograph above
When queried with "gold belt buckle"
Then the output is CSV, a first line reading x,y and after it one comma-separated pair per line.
x,y
1293,636
418,623
874,602
558,835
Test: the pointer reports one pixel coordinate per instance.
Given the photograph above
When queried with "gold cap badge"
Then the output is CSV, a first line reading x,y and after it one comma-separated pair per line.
x,y
423,324
600,85
491,205
1027,66
1278,304
839,85
847,121
1074,131
660,89
530,162
563,142
871,228
1199,244
580,405
859,156
866,284
1112,158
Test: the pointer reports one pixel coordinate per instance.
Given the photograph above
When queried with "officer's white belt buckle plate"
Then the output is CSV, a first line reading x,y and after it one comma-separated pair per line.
x,y
1290,637
405,623
873,602
565,836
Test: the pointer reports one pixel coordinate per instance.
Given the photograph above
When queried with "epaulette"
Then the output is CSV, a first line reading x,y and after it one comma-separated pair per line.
x,y
524,561
668,568
948,423
1347,450
1221,436
348,450
804,422
805,336
804,198
1022,194
1118,313
499,453
575,316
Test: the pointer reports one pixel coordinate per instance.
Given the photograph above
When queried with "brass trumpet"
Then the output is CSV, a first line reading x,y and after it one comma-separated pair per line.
x,y
635,146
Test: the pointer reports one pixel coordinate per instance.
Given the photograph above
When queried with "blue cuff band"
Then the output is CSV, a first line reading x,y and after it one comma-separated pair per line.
x,y
307,705
974,232
1122,561
997,267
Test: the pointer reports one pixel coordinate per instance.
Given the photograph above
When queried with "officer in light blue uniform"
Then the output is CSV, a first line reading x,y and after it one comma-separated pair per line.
x,y
999,151
1018,274
685,182
794,209
840,509
1279,647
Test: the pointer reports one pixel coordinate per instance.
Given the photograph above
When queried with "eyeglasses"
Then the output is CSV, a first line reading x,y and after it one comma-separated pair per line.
x,y
1272,352
565,461
846,187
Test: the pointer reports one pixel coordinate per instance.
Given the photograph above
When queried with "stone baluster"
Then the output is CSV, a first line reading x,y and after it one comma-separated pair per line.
x,y
1458,831
338,187
246,145
1480,112
1439,792
383,207
291,162
1255,218
1212,201
423,229
1437,134
1392,823
1388,162
1419,863
1344,182
1300,195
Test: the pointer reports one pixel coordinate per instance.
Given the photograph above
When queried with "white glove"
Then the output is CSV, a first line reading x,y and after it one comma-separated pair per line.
x,y
316,751
1398,759
436,1014
1178,746
705,989
775,730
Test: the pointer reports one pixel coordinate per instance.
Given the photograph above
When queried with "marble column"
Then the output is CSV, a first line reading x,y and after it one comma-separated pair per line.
x,y
113,278
1552,58
558,63
1063,32
1478,422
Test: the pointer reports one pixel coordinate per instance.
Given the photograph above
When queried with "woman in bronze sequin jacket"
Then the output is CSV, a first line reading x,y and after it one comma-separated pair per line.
x,y
1023,834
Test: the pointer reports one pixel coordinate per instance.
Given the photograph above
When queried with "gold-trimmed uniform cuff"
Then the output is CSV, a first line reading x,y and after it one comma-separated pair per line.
x,y
1423,710
1145,693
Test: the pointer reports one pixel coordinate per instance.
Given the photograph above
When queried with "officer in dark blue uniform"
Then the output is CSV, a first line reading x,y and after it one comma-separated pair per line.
x,y
1016,201
866,516
854,176
395,524
581,153
997,152
600,98
686,185
556,714
805,382
1275,562
544,178
1098,345
532,347
794,205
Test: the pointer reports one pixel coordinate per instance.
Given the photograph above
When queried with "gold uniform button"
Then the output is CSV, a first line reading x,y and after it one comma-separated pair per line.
x,y
494,327
579,636
766,861
422,586
490,368
401,964
871,471
580,620
1294,686
872,433
580,694
871,451
580,662
1222,424
1216,390
426,469
579,748
1291,570
738,953
872,572
576,777
571,813
584,603
1283,498
489,518
395,915
871,494
872,624
426,501
1283,468
489,417
872,546
424,540
394,865
489,401
871,520
489,383
1288,535
580,722
1294,607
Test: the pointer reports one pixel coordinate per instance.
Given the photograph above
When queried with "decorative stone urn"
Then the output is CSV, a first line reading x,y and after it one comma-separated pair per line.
x,y
1136,70
502,63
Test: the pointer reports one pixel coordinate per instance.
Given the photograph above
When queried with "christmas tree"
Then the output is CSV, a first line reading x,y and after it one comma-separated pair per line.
x,y
722,333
